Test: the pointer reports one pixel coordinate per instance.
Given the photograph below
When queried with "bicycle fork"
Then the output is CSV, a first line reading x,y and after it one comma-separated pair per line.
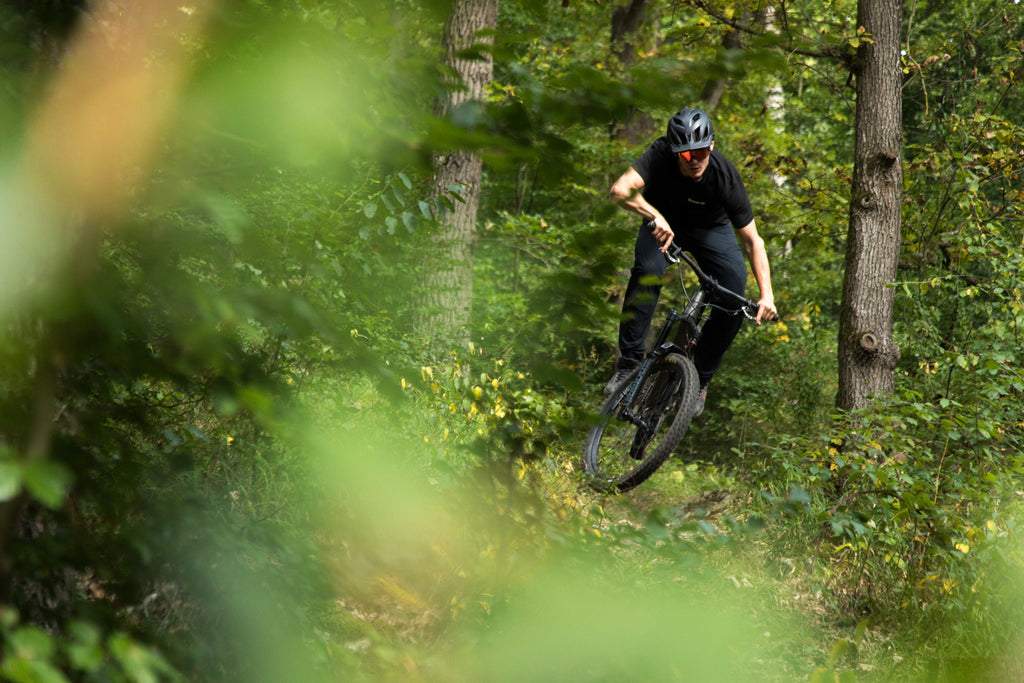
x,y
683,341
633,405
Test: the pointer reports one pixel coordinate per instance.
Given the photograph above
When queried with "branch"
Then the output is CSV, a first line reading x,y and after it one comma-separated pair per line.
x,y
721,18
843,55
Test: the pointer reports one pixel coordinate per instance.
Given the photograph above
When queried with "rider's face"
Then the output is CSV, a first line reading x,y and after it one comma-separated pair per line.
x,y
694,166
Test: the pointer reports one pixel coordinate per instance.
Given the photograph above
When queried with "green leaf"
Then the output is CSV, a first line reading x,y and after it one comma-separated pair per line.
x,y
799,496
47,481
370,209
31,671
140,663
399,194
458,192
858,634
86,651
409,220
31,642
838,650
10,479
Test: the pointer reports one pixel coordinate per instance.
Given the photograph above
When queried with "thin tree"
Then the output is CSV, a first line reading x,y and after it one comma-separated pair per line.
x,y
867,352
445,317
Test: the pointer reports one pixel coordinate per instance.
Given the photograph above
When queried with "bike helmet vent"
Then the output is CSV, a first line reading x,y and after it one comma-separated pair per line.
x,y
690,129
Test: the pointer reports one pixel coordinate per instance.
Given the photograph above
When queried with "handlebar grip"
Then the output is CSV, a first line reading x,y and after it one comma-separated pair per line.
x,y
752,308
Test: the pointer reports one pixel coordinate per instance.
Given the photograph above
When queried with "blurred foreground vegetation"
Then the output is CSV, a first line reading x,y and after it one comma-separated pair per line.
x,y
223,455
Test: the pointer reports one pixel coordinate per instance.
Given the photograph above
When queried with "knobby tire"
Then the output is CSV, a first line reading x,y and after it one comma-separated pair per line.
x,y
619,455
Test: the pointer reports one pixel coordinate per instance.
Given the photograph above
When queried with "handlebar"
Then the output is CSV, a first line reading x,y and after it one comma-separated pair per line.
x,y
675,254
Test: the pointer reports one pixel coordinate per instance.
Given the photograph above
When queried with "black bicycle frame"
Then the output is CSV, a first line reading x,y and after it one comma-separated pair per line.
x,y
678,334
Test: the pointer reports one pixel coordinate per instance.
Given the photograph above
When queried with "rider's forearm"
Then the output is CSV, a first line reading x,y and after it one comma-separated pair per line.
x,y
637,204
758,257
626,192
632,200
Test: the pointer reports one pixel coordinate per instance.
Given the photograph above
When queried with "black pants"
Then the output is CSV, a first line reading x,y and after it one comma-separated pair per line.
x,y
718,253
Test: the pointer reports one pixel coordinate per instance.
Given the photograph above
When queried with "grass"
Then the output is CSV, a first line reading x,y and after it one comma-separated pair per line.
x,y
450,559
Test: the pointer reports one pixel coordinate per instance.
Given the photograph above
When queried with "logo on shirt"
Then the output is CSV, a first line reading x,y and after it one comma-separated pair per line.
x,y
694,201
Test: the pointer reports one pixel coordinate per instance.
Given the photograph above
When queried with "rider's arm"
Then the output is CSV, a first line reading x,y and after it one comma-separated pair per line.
x,y
753,246
626,193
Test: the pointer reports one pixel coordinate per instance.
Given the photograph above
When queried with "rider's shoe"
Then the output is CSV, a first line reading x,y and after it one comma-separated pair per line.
x,y
618,379
702,396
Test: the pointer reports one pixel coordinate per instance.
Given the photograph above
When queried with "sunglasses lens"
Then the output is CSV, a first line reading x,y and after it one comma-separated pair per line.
x,y
698,154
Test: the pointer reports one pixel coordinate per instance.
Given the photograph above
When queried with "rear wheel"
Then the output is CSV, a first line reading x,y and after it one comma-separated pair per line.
x,y
630,442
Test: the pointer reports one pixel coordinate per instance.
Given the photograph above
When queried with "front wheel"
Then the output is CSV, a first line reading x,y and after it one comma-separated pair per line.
x,y
630,442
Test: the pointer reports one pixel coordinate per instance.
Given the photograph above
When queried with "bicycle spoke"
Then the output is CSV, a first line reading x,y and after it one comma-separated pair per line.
x,y
632,441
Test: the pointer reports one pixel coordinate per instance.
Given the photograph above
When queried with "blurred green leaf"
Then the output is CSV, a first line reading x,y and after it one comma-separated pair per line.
x,y
47,481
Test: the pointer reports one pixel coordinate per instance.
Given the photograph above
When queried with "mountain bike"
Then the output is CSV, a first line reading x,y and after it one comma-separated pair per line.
x,y
643,420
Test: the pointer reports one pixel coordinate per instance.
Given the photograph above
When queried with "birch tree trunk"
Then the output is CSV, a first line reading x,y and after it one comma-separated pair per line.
x,y
445,316
867,352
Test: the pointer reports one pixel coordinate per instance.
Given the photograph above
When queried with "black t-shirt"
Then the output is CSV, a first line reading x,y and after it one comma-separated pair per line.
x,y
719,198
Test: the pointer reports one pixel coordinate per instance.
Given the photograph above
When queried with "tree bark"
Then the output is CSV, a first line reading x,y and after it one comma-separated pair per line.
x,y
715,88
627,18
867,352
445,317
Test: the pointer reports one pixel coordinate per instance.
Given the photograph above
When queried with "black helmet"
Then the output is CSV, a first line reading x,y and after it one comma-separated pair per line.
x,y
690,129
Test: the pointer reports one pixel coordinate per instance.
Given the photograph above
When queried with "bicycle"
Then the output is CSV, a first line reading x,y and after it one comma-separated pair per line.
x,y
642,422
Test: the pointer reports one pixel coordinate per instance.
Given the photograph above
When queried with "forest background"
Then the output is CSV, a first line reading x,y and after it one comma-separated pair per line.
x,y
226,453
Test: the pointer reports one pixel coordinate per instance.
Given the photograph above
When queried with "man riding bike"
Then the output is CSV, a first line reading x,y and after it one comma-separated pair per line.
x,y
694,196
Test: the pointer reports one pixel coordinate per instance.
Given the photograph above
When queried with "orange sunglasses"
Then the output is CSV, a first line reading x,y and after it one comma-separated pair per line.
x,y
698,154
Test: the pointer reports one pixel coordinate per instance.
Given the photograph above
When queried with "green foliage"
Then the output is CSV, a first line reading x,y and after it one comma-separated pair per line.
x,y
235,463
81,652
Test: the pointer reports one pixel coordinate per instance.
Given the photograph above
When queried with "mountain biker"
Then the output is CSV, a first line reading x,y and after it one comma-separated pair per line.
x,y
694,196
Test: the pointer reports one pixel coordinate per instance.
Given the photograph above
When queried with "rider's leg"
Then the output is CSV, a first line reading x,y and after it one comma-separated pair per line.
x,y
719,255
642,292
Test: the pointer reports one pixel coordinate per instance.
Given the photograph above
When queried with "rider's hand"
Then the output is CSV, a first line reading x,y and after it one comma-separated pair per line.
x,y
766,310
662,232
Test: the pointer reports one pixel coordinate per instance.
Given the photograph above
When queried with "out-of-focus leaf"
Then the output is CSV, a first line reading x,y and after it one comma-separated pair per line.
x,y
47,481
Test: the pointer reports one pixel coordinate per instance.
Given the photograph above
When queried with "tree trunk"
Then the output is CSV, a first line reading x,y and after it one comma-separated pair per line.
x,y
627,18
867,352
445,316
715,88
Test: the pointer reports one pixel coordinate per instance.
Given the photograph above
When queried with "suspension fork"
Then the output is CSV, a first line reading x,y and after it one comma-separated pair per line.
x,y
683,330
688,332
676,327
